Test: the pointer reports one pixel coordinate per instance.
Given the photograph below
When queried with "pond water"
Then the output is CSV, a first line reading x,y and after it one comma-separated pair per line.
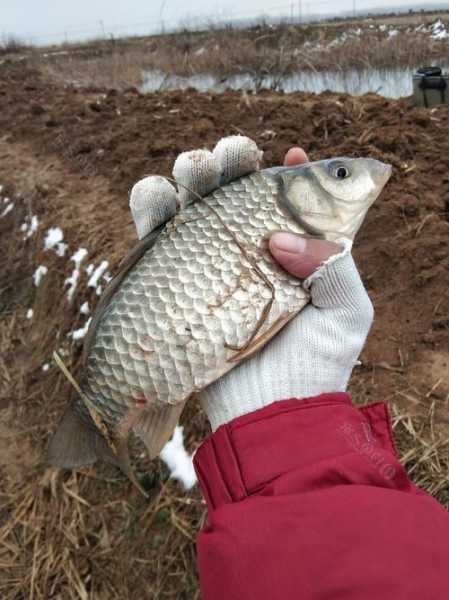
x,y
392,83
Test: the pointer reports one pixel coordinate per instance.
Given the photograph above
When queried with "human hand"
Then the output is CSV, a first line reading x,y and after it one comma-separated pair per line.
x,y
317,351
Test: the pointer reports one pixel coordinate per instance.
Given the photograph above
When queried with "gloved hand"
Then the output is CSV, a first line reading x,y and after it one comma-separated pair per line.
x,y
317,351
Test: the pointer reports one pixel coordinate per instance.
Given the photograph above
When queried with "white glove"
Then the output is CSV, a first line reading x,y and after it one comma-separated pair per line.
x,y
313,354
154,200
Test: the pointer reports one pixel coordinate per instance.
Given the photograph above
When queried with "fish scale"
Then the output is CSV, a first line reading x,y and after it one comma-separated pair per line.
x,y
196,297
191,301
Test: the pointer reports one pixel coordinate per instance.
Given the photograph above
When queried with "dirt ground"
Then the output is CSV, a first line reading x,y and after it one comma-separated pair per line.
x,y
70,156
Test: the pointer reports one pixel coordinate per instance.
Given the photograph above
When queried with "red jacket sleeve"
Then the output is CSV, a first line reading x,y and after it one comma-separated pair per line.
x,y
308,501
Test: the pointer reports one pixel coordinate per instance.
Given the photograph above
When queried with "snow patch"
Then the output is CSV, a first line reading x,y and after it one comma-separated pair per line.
x,y
439,31
45,367
84,309
30,313
421,28
54,240
393,33
78,334
178,460
8,208
29,228
39,274
72,281
99,271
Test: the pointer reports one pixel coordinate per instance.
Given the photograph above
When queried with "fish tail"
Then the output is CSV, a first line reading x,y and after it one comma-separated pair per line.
x,y
77,441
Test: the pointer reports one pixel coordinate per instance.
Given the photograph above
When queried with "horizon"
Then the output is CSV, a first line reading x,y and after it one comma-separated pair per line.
x,y
166,17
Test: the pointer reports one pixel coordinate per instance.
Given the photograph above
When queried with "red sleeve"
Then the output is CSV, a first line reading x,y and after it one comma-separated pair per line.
x,y
308,501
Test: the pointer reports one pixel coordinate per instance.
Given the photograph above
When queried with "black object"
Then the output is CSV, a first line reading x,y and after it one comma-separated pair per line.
x,y
430,71
432,79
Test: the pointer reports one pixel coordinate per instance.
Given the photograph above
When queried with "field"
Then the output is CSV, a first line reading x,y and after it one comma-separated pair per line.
x,y
266,54
69,155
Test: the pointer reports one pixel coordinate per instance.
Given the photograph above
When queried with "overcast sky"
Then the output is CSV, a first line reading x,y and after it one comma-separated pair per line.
x,y
50,21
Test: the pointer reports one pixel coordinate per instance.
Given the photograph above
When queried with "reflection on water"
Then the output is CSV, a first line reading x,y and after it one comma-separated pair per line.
x,y
392,83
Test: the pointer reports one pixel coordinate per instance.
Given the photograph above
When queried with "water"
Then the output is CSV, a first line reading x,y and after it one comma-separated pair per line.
x,y
391,83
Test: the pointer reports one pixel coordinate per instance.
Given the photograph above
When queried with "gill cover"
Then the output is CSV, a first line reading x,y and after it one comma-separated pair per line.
x,y
330,198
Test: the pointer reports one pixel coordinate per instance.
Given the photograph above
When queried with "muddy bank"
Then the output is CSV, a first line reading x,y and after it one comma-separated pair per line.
x,y
69,157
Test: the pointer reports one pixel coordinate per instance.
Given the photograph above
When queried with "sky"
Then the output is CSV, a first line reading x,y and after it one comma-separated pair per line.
x,y
53,21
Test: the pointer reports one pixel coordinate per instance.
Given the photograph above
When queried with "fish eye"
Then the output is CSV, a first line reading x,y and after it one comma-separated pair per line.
x,y
341,172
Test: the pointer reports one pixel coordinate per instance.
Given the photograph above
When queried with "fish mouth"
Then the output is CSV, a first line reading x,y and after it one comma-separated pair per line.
x,y
380,172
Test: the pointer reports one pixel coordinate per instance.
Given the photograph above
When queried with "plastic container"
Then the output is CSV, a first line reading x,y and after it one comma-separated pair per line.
x,y
430,87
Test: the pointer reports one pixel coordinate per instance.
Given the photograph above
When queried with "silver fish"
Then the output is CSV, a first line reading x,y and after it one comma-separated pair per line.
x,y
197,297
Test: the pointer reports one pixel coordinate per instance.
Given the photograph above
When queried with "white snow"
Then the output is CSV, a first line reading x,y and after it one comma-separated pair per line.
x,y
421,28
393,33
382,28
54,240
72,281
84,309
30,228
30,313
178,460
8,208
45,367
99,271
61,249
99,290
89,269
78,334
39,274
439,31
53,237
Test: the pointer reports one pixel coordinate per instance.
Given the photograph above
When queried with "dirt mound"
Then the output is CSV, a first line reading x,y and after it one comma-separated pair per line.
x,y
68,157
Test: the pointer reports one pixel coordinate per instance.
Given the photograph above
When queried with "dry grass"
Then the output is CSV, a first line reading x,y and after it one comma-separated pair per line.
x,y
262,53
89,535
65,535
10,44
424,449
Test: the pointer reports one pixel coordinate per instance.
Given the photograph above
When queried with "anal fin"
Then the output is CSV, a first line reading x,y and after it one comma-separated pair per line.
x,y
155,425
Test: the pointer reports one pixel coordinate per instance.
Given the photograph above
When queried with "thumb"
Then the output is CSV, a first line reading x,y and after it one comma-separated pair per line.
x,y
337,287
300,256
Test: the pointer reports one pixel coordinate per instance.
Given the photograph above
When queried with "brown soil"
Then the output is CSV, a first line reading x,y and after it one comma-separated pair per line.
x,y
70,156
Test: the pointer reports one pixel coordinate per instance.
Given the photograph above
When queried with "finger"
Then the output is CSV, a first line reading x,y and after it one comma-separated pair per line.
x,y
197,173
295,156
238,155
153,201
300,256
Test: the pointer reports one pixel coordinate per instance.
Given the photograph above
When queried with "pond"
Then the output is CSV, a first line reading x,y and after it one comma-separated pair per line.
x,y
391,83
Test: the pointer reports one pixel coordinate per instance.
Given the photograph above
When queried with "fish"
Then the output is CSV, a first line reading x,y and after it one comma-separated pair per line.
x,y
198,296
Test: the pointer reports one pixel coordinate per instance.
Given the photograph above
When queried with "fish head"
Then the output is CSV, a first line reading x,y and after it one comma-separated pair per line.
x,y
330,198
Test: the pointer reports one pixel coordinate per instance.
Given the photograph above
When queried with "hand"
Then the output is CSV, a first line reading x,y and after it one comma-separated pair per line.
x,y
317,351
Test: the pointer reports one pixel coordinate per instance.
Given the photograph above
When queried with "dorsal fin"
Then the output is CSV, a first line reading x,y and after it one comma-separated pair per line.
x,y
125,266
